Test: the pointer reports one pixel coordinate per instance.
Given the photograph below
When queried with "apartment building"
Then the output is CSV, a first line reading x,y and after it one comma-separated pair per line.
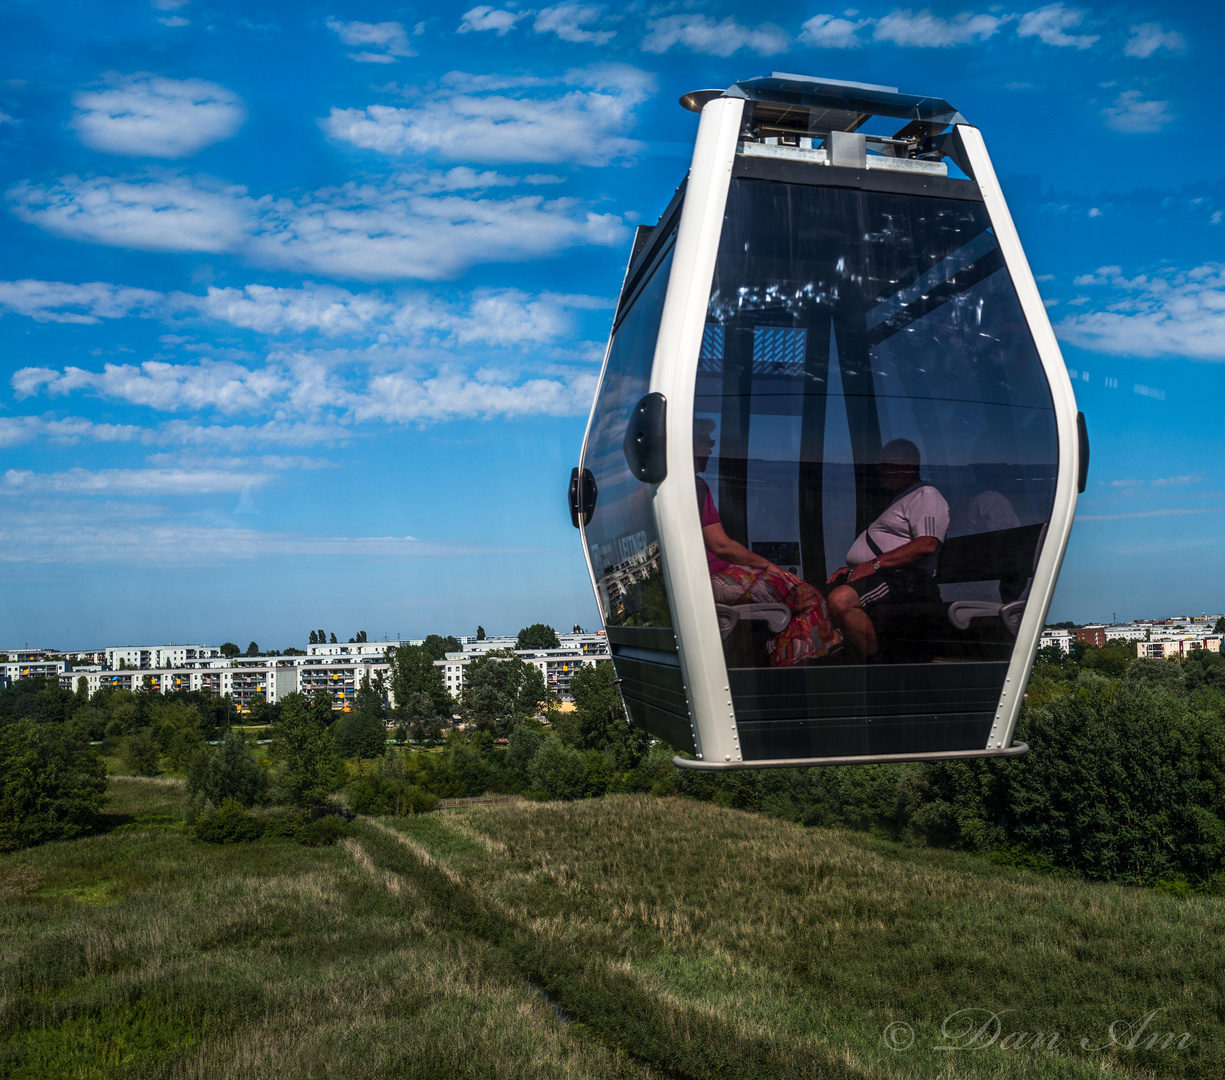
x,y
147,657
557,666
1177,648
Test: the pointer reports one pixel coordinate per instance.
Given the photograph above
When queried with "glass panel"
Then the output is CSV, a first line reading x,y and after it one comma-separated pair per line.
x,y
873,393
621,535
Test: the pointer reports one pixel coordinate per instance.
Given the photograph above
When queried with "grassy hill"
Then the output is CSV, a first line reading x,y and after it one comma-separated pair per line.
x,y
627,936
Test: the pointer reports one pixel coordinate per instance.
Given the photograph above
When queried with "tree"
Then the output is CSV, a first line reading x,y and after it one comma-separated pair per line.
x,y
500,692
1219,627
600,716
480,633
140,755
176,729
231,773
52,784
413,672
438,646
230,650
362,734
558,770
1204,668
577,629
314,638
333,638
537,636
303,753
253,649
323,638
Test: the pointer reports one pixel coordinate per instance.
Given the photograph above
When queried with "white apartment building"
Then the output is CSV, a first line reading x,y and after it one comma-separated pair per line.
x,y
1127,632
556,665
272,678
146,657
1177,648
1061,639
355,649
34,669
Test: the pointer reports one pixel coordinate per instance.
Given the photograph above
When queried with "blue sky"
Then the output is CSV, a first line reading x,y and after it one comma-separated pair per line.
x,y
301,306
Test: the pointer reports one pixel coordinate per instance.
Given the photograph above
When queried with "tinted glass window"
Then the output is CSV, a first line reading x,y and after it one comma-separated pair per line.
x,y
621,536
869,382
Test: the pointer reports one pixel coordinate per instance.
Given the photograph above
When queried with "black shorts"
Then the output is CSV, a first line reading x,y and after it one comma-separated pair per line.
x,y
900,585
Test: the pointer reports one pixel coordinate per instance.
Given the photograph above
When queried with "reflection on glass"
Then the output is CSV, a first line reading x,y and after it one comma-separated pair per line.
x,y
749,585
877,398
621,535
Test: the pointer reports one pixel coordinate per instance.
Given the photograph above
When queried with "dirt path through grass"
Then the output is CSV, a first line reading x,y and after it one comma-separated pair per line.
x,y
677,939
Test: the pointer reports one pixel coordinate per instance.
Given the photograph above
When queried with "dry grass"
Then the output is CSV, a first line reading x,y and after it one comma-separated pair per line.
x,y
687,940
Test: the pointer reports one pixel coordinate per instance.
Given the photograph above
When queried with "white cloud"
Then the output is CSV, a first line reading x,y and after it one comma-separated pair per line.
x,y
315,387
500,317
159,214
143,482
150,116
373,233
1050,25
1166,315
1177,481
170,5
402,398
1132,114
584,125
175,21
91,532
389,38
924,30
1147,38
223,386
566,21
831,32
702,34
16,430
399,229
59,301
479,84
488,18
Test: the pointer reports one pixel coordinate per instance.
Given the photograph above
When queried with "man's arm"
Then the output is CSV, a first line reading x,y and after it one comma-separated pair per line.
x,y
909,553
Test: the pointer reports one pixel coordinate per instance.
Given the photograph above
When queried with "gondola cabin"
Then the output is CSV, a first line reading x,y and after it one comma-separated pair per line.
x,y
834,455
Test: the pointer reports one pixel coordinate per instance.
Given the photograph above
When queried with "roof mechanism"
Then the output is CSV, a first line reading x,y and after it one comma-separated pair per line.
x,y
788,107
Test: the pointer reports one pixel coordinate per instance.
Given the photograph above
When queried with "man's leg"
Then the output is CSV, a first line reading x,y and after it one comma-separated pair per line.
x,y
853,621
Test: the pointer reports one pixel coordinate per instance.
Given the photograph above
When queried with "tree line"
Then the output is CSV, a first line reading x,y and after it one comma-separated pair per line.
x,y
1125,780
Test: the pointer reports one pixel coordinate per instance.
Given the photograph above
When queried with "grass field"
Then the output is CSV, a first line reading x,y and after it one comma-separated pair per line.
x,y
625,936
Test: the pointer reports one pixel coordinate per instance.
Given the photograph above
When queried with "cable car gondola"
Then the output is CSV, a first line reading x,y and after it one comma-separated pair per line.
x,y
834,454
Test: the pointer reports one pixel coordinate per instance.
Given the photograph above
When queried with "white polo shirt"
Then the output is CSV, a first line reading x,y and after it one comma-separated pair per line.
x,y
920,510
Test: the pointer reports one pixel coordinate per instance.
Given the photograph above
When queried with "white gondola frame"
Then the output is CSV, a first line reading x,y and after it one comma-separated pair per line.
x,y
674,375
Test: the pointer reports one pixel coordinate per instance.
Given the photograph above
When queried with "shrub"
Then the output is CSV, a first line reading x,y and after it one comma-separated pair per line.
x,y
559,771
52,784
323,831
230,823
140,755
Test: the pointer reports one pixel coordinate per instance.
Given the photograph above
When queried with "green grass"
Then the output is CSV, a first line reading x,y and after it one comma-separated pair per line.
x,y
683,940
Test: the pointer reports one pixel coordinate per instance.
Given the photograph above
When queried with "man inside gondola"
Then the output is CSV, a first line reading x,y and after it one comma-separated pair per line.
x,y
893,561
741,576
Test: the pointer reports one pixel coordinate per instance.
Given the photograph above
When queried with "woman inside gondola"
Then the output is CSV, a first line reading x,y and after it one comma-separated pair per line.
x,y
739,576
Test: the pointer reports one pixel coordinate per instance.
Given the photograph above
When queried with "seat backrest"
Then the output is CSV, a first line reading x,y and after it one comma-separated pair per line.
x,y
1006,555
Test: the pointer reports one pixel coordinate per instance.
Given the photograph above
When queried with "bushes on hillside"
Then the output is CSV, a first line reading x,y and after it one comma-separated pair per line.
x,y
52,783
140,755
230,773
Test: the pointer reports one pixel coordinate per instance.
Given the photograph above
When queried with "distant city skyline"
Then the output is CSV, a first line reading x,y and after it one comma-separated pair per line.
x,y
302,306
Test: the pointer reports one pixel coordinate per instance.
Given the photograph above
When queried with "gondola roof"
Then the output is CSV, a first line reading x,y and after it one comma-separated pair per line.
x,y
797,104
